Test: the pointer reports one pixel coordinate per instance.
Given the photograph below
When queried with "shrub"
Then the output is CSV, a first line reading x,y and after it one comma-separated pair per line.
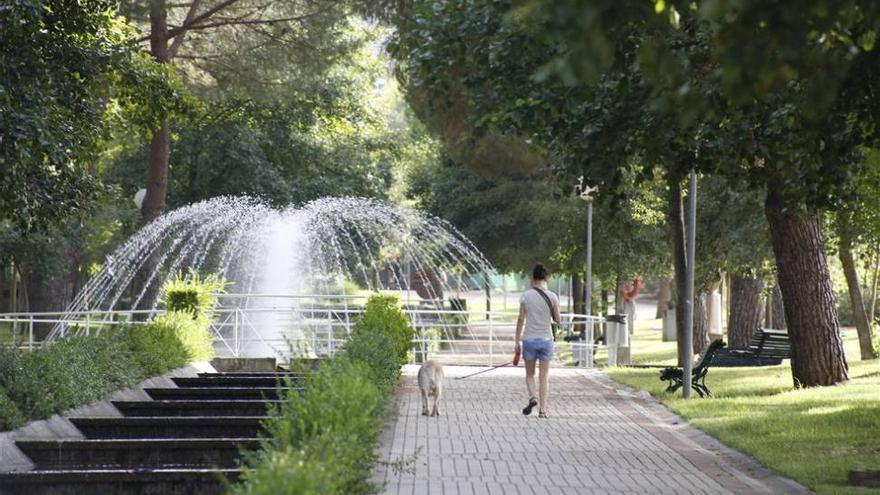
x,y
383,315
156,347
288,472
70,372
10,416
372,350
193,294
79,370
194,334
10,362
190,302
323,440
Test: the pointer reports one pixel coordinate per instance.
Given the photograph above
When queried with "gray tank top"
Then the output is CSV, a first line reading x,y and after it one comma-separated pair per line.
x,y
538,316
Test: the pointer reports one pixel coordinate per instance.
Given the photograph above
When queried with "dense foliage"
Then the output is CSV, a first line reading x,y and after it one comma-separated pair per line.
x,y
323,441
60,64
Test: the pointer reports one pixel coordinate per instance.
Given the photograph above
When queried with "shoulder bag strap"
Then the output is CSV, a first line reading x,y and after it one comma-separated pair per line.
x,y
549,303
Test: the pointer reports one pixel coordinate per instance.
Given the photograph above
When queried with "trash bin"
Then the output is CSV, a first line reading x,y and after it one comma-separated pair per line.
x,y
458,304
459,318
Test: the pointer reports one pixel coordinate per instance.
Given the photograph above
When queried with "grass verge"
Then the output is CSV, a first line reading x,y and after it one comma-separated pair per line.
x,y
814,436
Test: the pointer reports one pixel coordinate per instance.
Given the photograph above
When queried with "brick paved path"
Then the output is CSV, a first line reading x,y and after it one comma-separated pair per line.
x,y
600,438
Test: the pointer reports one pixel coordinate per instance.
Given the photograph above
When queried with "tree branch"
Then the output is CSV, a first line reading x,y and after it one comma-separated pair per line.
x,y
188,25
208,13
248,22
190,14
282,40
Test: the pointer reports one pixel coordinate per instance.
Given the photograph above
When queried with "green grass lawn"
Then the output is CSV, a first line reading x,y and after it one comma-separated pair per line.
x,y
814,436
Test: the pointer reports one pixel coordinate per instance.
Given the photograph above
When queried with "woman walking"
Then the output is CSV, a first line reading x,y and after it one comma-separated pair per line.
x,y
538,308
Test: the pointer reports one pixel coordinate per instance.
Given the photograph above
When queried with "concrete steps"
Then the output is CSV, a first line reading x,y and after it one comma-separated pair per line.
x,y
137,453
253,374
217,393
232,381
186,440
153,408
178,481
171,427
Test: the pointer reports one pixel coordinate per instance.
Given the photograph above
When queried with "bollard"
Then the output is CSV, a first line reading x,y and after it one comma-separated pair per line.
x,y
616,337
669,332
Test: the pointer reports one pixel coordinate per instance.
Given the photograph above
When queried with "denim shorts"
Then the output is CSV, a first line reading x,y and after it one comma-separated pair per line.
x,y
538,349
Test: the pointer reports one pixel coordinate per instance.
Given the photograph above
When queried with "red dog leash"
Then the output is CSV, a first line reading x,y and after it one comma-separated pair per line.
x,y
515,362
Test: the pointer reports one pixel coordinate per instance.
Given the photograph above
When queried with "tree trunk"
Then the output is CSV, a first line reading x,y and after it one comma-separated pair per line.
x,y
777,316
605,301
863,325
701,324
675,220
160,144
663,296
817,354
746,310
872,312
577,293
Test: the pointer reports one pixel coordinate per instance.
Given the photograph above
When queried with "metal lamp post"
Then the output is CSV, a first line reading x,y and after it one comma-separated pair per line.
x,y
688,364
585,193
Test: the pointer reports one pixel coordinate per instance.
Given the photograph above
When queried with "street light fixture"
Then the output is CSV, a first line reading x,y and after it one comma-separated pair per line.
x,y
139,198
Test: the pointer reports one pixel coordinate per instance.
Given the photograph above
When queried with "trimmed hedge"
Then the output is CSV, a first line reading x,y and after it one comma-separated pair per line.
x,y
323,441
79,370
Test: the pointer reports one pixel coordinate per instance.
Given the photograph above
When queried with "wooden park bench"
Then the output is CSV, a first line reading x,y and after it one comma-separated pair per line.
x,y
675,376
767,348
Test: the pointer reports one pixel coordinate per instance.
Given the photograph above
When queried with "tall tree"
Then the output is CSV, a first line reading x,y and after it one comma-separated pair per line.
x,y
864,326
244,40
857,223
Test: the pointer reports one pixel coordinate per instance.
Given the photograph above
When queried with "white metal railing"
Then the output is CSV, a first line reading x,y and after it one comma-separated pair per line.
x,y
284,325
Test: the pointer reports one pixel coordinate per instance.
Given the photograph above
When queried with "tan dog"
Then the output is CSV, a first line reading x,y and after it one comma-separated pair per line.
x,y
431,383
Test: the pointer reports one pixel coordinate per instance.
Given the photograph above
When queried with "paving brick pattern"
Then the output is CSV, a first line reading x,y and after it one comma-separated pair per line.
x,y
600,438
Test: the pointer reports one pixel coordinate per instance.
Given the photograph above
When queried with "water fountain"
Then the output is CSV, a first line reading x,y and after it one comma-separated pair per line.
x,y
297,258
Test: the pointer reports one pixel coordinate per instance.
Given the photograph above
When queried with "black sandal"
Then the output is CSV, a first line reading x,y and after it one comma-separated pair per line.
x,y
528,409
542,414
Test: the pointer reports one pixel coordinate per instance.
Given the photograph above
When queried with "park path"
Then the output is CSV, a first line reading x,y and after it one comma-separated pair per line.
x,y
601,437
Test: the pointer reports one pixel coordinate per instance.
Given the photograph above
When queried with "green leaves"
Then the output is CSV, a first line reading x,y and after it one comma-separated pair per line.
x,y
60,64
